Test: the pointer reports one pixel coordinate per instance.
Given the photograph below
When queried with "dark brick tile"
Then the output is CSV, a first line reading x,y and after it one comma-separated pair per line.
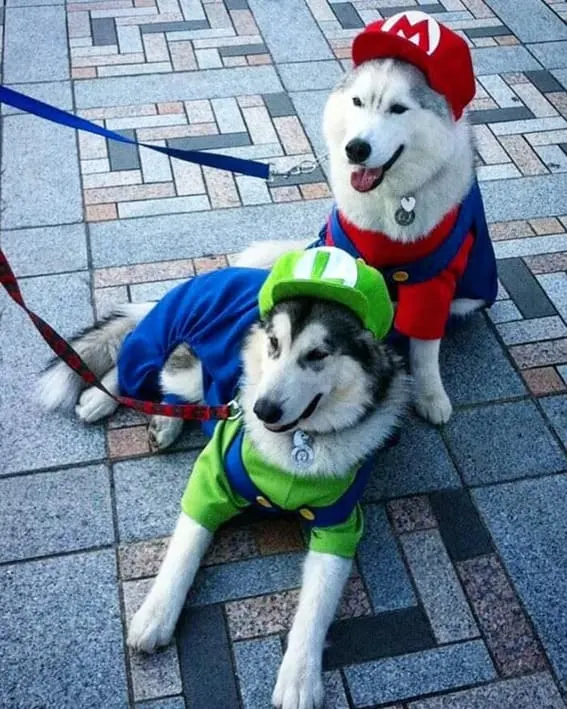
x,y
383,635
210,142
174,26
428,9
460,525
544,81
104,31
315,176
347,15
499,31
236,4
507,631
123,156
279,105
563,147
242,50
498,115
411,514
205,659
524,289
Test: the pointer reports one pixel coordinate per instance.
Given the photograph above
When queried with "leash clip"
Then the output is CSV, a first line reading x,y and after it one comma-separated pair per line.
x,y
235,410
305,167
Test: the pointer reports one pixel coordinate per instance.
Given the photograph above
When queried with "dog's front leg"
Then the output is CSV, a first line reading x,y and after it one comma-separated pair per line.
x,y
154,623
300,679
431,400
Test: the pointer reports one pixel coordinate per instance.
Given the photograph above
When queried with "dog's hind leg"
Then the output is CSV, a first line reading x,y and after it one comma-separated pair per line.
x,y
153,625
431,400
300,679
94,404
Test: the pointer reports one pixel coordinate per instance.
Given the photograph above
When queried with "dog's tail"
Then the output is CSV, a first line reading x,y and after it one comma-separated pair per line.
x,y
59,386
263,254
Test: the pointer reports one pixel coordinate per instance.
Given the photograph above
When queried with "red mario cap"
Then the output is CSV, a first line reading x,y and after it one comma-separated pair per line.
x,y
417,38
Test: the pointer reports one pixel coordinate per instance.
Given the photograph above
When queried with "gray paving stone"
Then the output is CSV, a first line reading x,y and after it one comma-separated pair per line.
x,y
555,286
148,494
35,44
123,156
347,15
488,375
438,587
519,693
555,408
498,60
518,333
142,292
257,664
279,105
519,445
46,249
155,675
210,142
43,514
178,86
530,246
103,31
427,7
552,55
34,152
525,197
418,463
530,20
239,50
309,76
174,26
170,703
227,582
310,108
504,311
177,236
561,76
57,93
295,36
379,560
62,643
32,439
236,4
527,522
22,3
398,678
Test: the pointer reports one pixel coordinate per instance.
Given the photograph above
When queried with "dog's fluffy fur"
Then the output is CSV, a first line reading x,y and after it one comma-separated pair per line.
x,y
436,167
364,394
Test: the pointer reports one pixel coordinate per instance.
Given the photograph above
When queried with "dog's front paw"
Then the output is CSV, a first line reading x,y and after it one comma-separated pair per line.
x,y
163,431
95,405
152,626
434,406
299,685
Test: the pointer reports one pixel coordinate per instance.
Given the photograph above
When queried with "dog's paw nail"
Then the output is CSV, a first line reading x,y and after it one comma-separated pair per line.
x,y
163,431
435,408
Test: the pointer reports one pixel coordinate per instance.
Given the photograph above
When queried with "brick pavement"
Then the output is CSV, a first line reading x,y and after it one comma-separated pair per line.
x,y
457,600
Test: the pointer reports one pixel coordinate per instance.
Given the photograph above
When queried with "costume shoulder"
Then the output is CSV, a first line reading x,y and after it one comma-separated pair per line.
x,y
210,313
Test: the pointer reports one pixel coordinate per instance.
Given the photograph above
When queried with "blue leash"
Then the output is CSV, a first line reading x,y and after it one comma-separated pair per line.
x,y
56,115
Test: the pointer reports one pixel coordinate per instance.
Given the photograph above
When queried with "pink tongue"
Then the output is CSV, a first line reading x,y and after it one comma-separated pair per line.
x,y
364,180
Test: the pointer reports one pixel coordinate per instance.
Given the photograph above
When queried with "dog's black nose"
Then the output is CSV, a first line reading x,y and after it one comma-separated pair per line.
x,y
267,410
358,150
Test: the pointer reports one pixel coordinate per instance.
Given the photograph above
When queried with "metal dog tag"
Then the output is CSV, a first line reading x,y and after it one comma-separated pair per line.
x,y
302,452
405,215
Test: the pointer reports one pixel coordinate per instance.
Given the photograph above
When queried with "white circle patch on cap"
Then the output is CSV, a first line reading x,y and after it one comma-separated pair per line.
x,y
417,27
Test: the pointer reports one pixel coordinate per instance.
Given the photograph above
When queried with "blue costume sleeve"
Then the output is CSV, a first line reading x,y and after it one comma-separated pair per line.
x,y
211,314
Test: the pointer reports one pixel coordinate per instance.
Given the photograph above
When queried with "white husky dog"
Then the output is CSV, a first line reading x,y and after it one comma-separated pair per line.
x,y
394,143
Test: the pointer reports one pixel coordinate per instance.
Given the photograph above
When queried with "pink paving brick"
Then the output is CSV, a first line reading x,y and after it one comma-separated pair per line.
x,y
411,514
507,631
209,263
507,40
543,380
221,188
234,61
182,56
285,194
172,107
126,442
276,536
315,190
100,212
540,354
559,101
250,101
547,263
107,59
524,157
547,225
258,59
243,22
128,193
501,231
167,132
83,73
144,273
292,135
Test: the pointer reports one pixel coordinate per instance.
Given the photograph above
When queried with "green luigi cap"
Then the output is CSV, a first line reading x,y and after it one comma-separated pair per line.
x,y
331,274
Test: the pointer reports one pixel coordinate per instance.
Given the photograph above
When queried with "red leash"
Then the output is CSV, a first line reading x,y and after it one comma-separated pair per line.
x,y
63,350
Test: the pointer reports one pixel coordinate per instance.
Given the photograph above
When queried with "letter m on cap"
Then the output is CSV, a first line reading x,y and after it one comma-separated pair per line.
x,y
417,27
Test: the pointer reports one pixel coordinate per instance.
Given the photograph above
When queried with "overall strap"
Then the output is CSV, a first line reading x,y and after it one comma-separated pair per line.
x,y
434,263
239,479
336,235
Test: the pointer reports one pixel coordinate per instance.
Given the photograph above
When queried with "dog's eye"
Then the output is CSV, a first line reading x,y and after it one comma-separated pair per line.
x,y
316,355
274,344
357,102
398,108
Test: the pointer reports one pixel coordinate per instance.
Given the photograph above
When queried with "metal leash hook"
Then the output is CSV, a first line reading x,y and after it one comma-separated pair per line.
x,y
304,167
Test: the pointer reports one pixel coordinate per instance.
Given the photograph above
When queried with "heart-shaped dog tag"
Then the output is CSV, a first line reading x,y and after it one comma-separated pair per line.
x,y
407,204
